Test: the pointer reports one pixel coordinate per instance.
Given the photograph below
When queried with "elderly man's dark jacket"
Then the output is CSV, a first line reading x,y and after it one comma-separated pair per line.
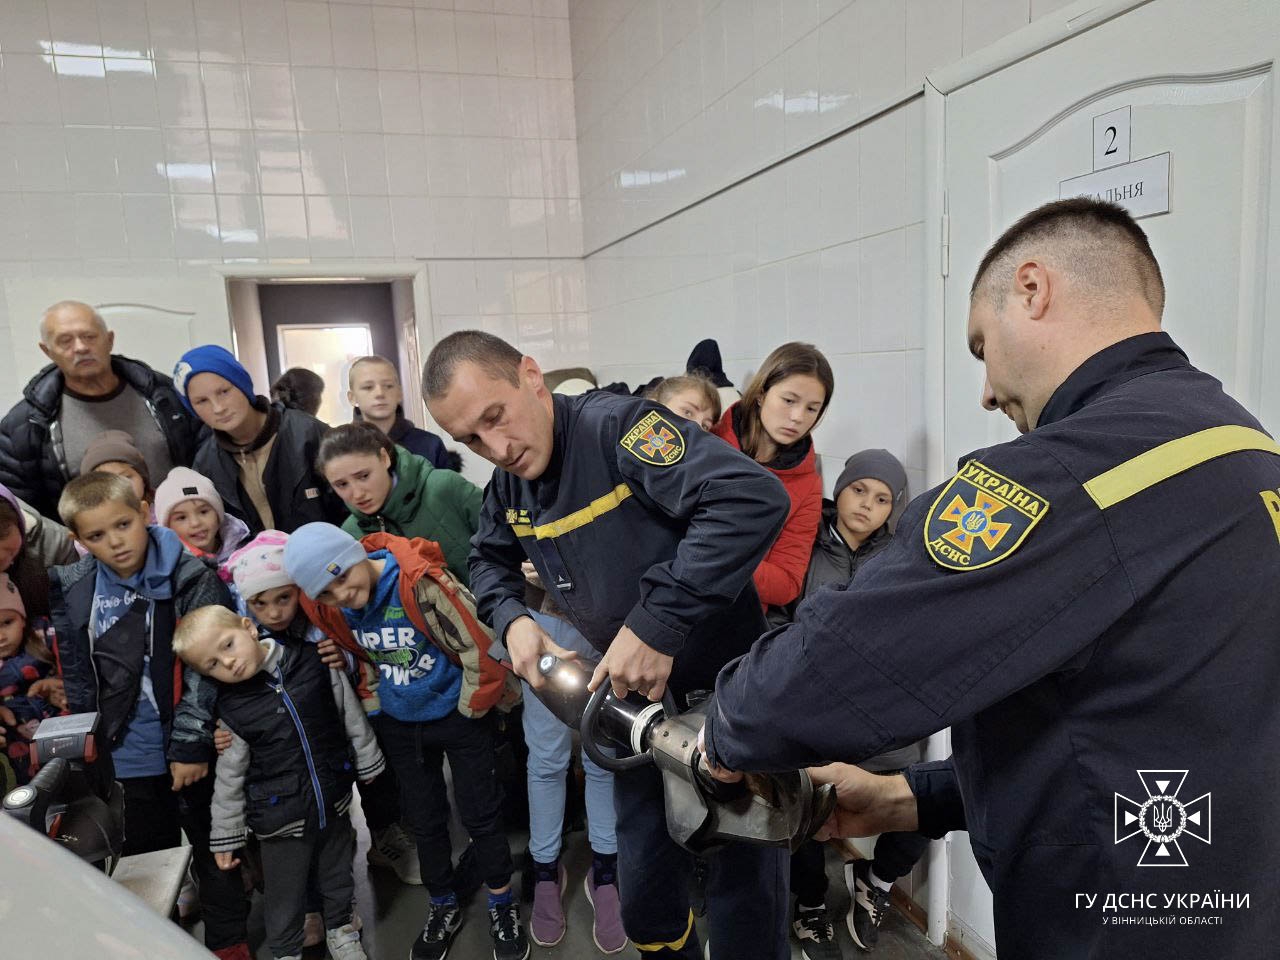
x,y
33,461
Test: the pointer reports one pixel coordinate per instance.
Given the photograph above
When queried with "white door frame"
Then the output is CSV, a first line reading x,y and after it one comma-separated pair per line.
x,y
1048,31
1062,25
336,271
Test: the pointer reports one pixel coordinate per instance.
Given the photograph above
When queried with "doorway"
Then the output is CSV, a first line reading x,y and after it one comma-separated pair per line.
x,y
323,327
322,324
1200,105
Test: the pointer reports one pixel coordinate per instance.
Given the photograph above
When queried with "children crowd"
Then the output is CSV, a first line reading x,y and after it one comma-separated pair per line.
x,y
288,619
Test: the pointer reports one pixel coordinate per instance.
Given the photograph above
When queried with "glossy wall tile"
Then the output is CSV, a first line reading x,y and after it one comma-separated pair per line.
x,y
174,133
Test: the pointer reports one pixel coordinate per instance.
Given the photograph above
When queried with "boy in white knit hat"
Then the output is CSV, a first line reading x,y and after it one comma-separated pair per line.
x,y
189,505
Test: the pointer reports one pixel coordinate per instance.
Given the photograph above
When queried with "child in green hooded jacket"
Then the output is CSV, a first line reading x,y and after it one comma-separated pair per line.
x,y
390,490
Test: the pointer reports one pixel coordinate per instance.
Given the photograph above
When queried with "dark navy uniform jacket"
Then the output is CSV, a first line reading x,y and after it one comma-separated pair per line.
x,y
1114,638
640,519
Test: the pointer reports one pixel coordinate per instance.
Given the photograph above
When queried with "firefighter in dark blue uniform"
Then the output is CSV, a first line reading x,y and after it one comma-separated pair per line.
x,y
645,530
1094,610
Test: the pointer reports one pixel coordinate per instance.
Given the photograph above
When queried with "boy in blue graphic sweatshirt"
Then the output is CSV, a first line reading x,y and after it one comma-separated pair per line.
x,y
392,600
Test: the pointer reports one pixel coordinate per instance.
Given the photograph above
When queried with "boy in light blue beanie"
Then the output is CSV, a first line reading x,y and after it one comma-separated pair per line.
x,y
387,599
211,358
319,553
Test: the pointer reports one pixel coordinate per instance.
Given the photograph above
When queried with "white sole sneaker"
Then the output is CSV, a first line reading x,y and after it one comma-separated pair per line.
x,y
586,888
564,879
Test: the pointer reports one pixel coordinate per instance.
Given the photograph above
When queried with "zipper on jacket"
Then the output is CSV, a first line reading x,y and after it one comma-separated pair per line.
x,y
59,451
155,415
306,746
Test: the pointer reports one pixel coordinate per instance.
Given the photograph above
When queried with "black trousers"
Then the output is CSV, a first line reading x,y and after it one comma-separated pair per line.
x,y
897,853
380,800
288,862
155,818
809,874
416,751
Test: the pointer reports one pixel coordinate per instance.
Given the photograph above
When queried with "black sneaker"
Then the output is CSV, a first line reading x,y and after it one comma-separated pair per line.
x,y
816,935
509,941
867,905
443,921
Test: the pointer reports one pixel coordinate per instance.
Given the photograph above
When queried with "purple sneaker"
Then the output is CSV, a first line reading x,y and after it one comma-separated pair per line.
x,y
606,928
546,924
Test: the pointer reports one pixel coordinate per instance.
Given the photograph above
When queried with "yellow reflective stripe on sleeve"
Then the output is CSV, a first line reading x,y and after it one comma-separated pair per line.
x,y
1170,459
673,945
579,518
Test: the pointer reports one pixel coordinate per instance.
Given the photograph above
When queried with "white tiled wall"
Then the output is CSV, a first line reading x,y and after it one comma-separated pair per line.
x,y
677,99
147,138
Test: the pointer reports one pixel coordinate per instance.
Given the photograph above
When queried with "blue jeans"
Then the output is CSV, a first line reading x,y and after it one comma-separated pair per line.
x,y
550,745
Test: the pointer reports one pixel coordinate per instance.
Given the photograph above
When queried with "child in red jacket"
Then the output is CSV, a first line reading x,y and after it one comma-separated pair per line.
x,y
772,424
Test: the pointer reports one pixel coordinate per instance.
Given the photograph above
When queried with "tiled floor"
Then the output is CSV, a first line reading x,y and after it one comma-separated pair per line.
x,y
393,914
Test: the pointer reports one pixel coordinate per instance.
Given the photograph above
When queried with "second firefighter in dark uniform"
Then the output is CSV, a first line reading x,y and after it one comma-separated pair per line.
x,y
642,526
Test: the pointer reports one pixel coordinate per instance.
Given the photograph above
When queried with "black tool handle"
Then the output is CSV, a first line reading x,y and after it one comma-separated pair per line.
x,y
31,803
589,728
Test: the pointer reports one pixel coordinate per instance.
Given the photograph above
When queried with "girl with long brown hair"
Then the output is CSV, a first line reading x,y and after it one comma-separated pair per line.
x,y
772,424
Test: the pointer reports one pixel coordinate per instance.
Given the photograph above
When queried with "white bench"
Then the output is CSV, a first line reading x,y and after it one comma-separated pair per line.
x,y
155,878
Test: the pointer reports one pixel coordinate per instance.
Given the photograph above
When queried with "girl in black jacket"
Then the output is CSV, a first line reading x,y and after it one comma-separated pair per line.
x,y
260,456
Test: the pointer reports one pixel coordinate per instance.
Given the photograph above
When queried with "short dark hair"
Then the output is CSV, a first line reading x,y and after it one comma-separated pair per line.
x,y
493,354
1101,243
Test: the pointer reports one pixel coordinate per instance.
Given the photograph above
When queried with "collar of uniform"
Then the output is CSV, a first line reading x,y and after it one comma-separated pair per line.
x,y
1117,364
561,412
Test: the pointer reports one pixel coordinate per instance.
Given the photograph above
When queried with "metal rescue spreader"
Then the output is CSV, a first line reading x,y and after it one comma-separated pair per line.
x,y
774,809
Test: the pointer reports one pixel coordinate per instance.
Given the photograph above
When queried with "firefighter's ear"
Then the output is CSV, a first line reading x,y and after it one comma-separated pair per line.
x,y
530,372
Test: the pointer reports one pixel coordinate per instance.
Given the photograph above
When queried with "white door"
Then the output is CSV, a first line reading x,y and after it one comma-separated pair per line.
x,y
155,319
1199,81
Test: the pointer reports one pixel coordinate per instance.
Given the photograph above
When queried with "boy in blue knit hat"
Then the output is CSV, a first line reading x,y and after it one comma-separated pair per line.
x,y
259,455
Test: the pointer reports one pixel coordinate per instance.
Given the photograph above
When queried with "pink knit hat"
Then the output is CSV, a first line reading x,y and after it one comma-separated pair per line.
x,y
258,565
10,598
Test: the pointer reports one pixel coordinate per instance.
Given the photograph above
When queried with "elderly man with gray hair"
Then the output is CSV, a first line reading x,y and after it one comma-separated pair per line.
x,y
83,392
